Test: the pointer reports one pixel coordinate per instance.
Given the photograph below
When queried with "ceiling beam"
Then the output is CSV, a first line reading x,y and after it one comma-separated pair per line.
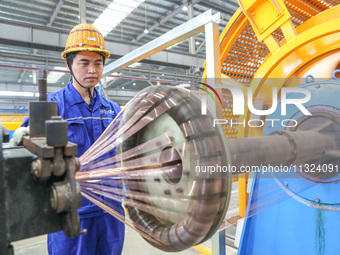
x,y
55,13
82,11
21,76
165,19
29,36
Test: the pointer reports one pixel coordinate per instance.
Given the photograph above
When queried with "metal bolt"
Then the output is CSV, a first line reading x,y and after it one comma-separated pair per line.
x,y
317,200
36,168
254,13
179,190
286,184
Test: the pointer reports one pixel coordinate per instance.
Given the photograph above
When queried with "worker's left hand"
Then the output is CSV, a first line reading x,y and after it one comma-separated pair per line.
x,y
18,135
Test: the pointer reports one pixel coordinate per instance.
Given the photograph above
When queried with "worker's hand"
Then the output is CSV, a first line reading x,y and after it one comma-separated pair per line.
x,y
18,135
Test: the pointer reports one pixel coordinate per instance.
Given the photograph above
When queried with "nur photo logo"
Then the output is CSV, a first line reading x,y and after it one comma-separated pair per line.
x,y
242,98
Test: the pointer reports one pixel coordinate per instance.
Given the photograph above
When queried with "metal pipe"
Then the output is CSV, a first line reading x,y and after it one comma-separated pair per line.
x,y
192,38
42,85
82,11
283,147
180,33
115,76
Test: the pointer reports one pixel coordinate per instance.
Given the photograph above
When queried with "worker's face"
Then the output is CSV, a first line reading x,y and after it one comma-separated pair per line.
x,y
87,67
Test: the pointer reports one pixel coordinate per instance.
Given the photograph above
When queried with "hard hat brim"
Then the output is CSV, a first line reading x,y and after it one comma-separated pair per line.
x,y
85,48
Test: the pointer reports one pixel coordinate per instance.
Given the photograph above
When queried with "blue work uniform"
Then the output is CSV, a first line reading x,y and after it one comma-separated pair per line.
x,y
85,125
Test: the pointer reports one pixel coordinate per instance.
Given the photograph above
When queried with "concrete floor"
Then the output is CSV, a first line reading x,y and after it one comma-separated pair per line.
x,y
134,243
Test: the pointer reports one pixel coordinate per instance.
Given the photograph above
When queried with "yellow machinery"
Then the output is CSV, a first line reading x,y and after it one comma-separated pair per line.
x,y
12,121
268,39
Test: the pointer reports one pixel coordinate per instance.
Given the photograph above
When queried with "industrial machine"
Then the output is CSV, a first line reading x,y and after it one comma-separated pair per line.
x,y
277,44
174,210
38,191
267,44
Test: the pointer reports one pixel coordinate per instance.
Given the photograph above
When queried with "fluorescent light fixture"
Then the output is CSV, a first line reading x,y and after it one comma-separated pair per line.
x,y
16,94
184,8
131,3
117,11
146,31
121,8
134,84
53,77
136,64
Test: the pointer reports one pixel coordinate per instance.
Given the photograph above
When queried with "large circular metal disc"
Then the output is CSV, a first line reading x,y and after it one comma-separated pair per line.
x,y
183,207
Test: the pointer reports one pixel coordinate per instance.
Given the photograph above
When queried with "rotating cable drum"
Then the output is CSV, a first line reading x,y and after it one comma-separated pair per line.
x,y
201,200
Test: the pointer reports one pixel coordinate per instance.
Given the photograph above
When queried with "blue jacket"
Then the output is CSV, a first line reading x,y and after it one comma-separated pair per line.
x,y
85,125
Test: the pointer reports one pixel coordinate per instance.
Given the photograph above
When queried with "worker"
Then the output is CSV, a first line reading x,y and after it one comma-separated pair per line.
x,y
87,114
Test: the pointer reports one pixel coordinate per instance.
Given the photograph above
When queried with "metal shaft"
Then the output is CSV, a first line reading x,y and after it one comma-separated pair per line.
x,y
42,84
282,147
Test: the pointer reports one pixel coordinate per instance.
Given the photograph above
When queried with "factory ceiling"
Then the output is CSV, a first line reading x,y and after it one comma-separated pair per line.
x,y
32,35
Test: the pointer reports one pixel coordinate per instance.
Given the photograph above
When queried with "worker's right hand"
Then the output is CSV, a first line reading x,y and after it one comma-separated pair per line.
x,y
18,135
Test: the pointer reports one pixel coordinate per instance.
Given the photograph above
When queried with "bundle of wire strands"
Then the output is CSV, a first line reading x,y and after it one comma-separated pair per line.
x,y
146,160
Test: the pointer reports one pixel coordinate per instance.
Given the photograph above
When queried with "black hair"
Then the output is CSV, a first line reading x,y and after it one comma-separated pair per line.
x,y
70,56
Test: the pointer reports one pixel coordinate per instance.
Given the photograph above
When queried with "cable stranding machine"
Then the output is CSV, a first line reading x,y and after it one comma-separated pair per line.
x,y
282,41
266,40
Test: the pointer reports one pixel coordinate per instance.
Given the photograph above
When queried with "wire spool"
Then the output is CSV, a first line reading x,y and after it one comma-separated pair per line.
x,y
200,200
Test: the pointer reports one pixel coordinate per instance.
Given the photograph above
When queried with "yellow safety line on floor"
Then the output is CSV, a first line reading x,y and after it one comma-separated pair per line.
x,y
202,249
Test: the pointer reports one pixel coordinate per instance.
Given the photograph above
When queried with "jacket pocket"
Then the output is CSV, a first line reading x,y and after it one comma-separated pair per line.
x,y
77,134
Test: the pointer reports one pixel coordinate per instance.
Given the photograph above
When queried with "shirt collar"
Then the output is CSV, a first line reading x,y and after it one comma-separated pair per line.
x,y
74,97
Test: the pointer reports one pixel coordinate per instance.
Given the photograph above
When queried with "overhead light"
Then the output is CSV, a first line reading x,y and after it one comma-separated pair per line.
x,y
146,31
184,8
197,42
134,84
123,88
16,93
136,64
117,11
31,75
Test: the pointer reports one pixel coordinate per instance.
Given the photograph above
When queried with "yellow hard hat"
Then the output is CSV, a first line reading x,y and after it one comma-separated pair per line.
x,y
85,37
